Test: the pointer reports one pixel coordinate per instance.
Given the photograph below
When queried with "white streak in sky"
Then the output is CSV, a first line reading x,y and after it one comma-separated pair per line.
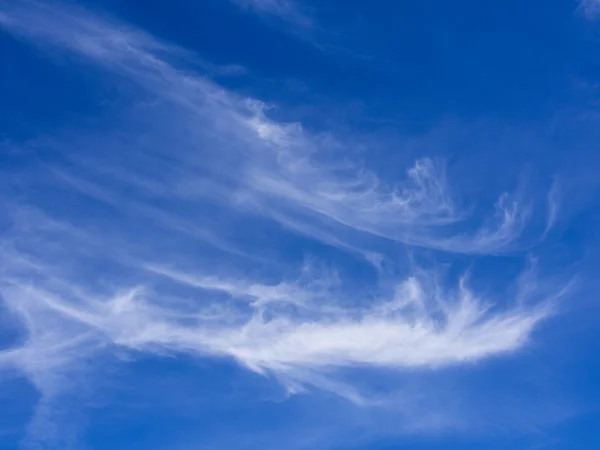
x,y
281,169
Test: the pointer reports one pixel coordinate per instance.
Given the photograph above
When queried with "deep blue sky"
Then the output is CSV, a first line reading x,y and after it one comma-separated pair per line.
x,y
242,224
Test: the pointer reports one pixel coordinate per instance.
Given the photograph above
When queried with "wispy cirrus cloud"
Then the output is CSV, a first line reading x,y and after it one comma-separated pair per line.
x,y
174,257
300,330
280,165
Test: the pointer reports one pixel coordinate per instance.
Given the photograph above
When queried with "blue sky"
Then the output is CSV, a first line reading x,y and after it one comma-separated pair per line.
x,y
242,224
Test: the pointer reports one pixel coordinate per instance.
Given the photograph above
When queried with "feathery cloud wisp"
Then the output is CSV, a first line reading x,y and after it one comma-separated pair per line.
x,y
281,169
299,332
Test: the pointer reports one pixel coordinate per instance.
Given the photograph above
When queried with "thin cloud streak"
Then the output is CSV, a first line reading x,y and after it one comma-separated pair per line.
x,y
297,332
280,165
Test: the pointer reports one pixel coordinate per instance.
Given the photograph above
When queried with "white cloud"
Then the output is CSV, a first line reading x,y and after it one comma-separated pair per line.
x,y
302,330
282,170
82,290
298,332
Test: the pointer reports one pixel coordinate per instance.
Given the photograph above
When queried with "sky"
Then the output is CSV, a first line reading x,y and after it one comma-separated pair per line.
x,y
286,224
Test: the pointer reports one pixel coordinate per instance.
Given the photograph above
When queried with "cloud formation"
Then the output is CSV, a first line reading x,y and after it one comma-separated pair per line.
x,y
300,331
282,170
214,163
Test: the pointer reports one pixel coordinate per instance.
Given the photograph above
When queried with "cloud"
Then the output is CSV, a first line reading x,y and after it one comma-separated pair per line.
x,y
282,170
418,212
177,240
299,331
